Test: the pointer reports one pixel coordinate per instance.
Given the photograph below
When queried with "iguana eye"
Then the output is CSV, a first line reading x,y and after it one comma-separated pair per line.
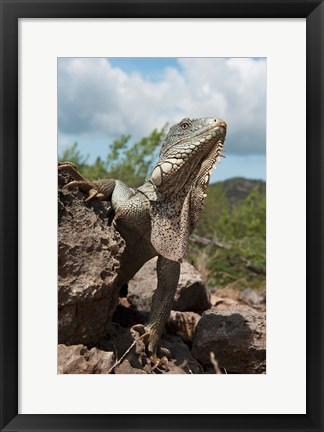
x,y
184,125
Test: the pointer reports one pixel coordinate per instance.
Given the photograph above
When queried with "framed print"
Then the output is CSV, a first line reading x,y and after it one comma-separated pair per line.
x,y
152,95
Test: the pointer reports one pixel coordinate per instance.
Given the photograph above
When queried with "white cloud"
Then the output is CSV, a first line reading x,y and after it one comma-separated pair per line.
x,y
97,100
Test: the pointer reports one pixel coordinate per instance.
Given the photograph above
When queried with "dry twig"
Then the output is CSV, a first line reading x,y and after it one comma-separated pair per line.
x,y
214,362
117,362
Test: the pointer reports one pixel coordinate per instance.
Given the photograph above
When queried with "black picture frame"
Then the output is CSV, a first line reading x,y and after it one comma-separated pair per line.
x,y
11,11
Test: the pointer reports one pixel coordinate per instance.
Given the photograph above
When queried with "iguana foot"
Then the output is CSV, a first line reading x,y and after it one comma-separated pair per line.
x,y
151,342
100,189
159,362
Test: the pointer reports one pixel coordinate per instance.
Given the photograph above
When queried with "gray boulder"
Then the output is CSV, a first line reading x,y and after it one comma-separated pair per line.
x,y
191,295
236,336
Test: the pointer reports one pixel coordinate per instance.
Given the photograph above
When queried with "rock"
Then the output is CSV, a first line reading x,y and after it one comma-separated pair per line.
x,y
137,361
236,336
89,251
182,324
78,359
119,340
222,302
181,357
191,294
175,370
126,368
127,316
252,297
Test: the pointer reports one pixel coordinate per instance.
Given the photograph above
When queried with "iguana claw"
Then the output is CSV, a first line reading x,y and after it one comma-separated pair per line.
x,y
153,347
159,362
101,189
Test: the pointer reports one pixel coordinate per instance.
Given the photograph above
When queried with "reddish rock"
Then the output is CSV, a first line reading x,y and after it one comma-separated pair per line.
x,y
88,260
78,359
182,324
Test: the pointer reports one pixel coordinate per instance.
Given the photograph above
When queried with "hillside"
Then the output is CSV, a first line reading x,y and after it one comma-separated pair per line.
x,y
238,188
229,243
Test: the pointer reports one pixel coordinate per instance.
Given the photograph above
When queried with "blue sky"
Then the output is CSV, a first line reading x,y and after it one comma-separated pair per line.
x,y
99,99
152,68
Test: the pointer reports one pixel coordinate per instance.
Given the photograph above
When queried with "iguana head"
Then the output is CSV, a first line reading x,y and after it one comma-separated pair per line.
x,y
179,182
190,150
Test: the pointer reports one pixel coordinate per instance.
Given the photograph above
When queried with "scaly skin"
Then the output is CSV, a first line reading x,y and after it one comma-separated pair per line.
x,y
157,218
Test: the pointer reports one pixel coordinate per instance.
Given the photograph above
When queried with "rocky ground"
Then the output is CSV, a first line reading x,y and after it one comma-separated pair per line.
x,y
209,331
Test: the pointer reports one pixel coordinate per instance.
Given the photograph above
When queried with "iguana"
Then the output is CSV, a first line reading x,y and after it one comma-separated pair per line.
x,y
157,218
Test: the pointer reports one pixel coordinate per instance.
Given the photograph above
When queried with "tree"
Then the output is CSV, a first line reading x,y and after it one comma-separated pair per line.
x,y
131,164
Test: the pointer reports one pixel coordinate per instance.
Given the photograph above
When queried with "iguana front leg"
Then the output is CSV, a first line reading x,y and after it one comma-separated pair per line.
x,y
168,273
99,189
